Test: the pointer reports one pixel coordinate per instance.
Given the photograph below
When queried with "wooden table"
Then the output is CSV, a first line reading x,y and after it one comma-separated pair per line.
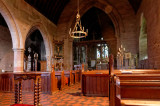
x,y
18,77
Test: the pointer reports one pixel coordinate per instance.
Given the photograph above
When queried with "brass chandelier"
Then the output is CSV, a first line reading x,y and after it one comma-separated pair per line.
x,y
78,31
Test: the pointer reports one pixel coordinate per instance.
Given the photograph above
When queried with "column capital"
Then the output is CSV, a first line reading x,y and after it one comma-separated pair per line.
x,y
18,59
18,49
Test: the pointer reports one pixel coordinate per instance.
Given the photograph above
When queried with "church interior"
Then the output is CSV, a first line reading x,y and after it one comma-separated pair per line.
x,y
79,52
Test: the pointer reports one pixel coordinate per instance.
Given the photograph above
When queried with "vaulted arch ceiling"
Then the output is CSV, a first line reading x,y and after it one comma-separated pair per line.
x,y
52,9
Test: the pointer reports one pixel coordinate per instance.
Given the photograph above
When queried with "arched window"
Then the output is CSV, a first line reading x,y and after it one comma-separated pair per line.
x,y
102,51
143,39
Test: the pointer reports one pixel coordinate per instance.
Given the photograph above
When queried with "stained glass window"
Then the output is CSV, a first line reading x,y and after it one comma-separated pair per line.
x,y
102,49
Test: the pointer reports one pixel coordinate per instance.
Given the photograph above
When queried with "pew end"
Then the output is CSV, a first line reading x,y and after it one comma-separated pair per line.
x,y
54,82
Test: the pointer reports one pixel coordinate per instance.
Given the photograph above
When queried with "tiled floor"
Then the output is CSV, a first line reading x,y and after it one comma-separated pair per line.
x,y
70,96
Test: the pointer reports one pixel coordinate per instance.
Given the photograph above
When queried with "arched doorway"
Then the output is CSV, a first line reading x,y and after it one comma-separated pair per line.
x,y
101,35
35,53
6,54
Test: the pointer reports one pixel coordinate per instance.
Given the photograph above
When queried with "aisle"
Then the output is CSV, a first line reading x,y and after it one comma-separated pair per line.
x,y
70,96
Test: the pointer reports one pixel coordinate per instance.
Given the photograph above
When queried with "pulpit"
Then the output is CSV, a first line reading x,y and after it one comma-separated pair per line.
x,y
18,77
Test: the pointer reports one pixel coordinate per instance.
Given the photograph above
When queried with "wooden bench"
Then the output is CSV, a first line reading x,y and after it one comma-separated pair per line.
x,y
62,79
136,89
140,87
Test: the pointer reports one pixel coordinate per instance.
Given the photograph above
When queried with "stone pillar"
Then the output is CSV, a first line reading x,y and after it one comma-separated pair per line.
x,y
68,54
48,62
18,60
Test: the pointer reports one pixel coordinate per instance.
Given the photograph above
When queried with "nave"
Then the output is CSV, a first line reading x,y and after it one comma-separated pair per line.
x,y
70,96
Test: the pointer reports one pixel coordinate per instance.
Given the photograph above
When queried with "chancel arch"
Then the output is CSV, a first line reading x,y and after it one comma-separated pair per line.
x,y
84,7
101,40
109,10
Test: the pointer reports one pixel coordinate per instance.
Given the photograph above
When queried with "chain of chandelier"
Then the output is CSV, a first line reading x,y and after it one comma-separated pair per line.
x,y
78,31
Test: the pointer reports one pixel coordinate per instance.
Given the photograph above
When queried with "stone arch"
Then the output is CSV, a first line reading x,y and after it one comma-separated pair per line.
x,y
11,25
143,54
48,45
107,8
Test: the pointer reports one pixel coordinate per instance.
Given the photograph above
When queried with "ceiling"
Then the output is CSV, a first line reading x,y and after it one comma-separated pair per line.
x,y
52,9
135,4
95,20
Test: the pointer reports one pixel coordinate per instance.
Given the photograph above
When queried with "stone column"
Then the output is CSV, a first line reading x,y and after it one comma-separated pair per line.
x,y
48,63
18,60
68,54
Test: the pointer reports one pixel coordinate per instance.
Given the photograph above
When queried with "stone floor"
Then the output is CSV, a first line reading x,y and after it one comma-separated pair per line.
x,y
70,96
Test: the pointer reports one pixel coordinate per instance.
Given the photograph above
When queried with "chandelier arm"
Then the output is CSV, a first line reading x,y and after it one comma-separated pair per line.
x,y
78,6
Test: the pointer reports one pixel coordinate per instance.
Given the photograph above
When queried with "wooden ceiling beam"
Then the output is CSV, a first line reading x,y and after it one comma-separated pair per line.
x,y
58,10
47,4
35,2
39,5
49,8
52,4
52,15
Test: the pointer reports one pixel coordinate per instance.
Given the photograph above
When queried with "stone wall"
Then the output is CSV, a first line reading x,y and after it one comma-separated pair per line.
x,y
151,10
6,52
21,19
120,12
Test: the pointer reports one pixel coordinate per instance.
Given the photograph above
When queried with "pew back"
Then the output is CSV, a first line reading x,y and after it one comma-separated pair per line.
x,y
139,86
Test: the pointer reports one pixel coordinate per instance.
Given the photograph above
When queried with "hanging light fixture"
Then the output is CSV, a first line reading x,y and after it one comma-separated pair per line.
x,y
78,31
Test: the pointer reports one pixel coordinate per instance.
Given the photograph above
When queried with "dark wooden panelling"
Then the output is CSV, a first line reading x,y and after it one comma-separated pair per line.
x,y
7,83
95,84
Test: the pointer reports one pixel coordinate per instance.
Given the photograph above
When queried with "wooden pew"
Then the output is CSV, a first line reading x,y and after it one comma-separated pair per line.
x,y
60,75
54,82
71,81
95,83
63,80
77,76
136,89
